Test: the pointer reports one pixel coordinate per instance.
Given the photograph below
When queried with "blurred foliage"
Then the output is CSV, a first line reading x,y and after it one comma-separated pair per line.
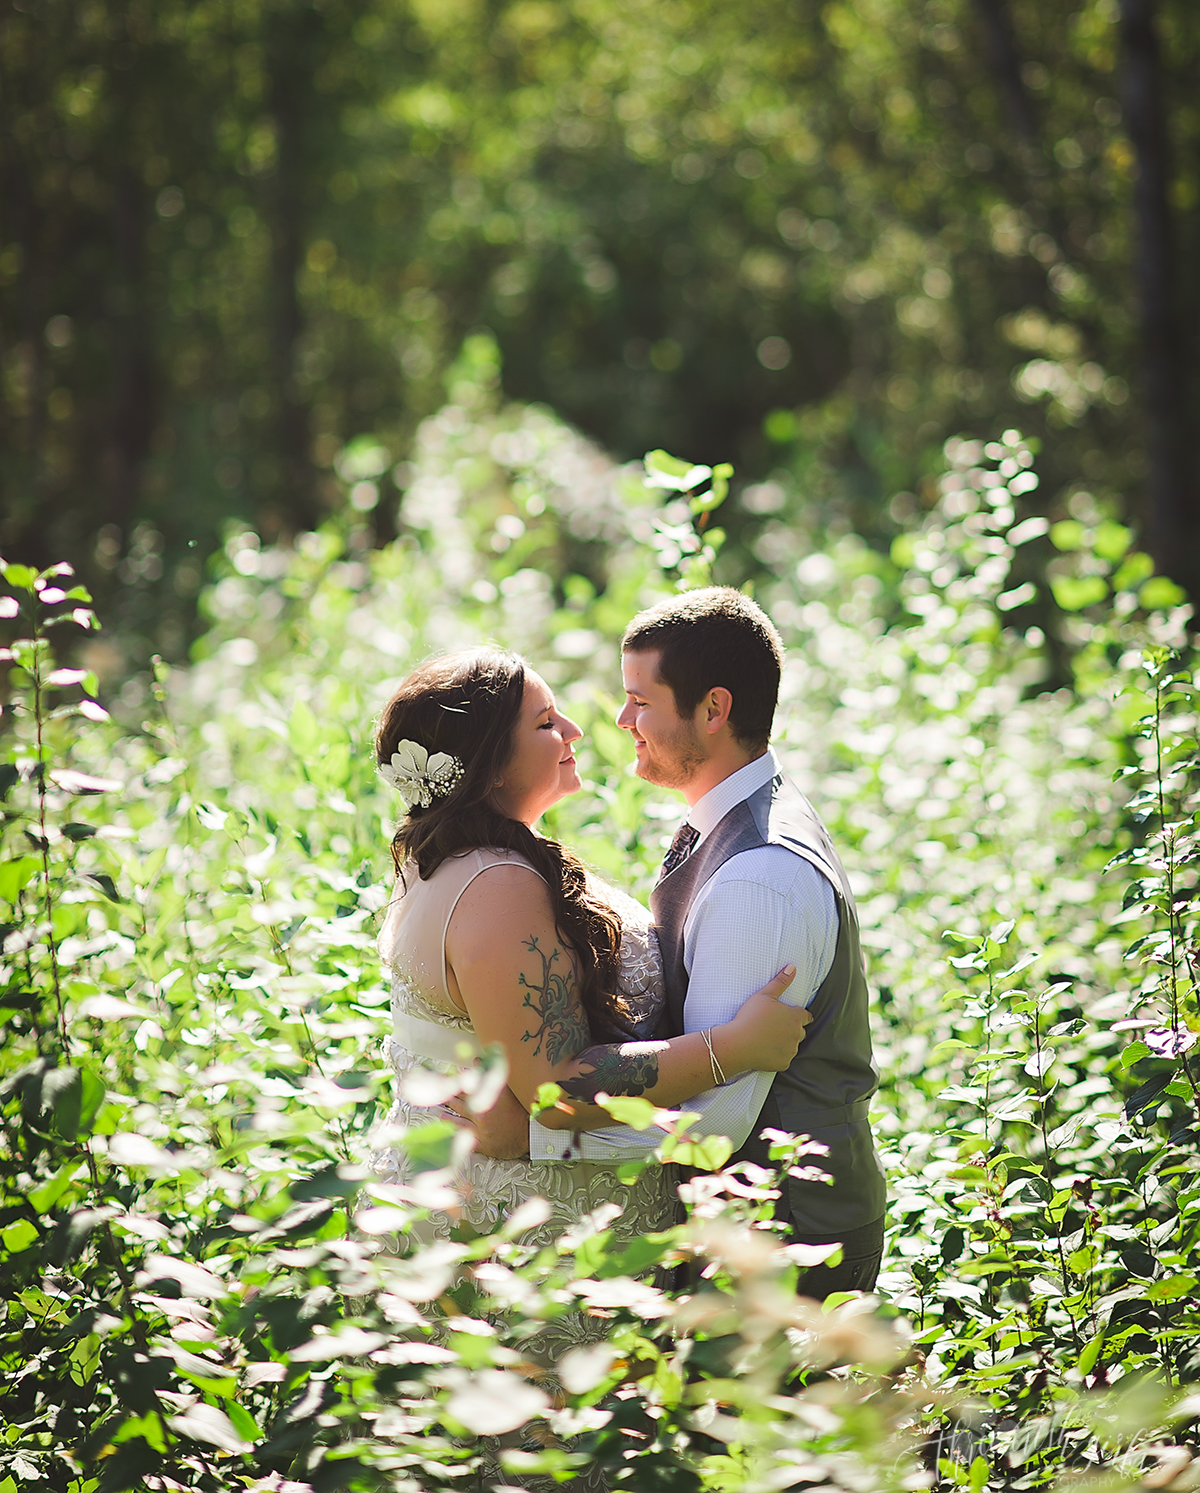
x,y
201,1284
239,238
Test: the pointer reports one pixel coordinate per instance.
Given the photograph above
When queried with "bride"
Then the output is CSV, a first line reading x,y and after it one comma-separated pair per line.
x,y
498,934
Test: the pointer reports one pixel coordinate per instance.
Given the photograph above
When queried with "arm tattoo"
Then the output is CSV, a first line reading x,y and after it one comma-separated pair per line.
x,y
629,1068
563,1028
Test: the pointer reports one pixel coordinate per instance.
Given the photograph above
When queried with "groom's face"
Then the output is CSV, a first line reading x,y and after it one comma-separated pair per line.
x,y
670,749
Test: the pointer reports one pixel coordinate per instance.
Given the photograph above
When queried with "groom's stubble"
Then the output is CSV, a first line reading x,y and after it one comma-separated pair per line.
x,y
672,761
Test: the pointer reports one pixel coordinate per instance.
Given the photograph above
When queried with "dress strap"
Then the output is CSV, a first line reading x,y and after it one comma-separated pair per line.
x,y
473,864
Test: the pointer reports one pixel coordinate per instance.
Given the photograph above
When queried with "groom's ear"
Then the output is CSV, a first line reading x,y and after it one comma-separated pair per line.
x,y
713,710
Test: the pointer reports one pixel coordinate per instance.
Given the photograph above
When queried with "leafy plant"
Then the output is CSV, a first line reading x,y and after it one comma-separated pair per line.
x,y
205,1282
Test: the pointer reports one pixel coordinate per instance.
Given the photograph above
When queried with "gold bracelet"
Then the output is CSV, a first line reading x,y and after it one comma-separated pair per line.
x,y
718,1073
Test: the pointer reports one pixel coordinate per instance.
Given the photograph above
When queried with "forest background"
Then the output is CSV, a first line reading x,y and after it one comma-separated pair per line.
x,y
816,242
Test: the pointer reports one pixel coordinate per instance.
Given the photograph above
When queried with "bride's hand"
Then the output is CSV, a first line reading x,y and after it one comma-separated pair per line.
x,y
502,1131
765,1034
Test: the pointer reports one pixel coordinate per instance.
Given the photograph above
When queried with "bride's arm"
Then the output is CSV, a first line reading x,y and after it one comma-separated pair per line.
x,y
518,982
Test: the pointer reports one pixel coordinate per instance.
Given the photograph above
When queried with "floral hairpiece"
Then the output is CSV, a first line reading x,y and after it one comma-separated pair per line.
x,y
420,778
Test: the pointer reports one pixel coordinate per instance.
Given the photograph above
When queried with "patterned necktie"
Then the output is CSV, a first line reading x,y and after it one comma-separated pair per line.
x,y
681,847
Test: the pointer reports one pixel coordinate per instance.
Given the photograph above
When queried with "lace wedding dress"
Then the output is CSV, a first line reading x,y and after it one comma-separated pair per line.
x,y
428,1030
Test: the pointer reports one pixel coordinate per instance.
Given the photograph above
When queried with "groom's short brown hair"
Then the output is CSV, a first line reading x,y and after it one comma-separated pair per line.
x,y
715,638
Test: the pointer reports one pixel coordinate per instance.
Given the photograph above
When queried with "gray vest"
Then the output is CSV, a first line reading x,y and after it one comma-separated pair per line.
x,y
827,1089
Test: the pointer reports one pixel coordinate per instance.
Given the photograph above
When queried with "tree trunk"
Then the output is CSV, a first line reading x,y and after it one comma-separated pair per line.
x,y
290,64
133,384
1005,63
1170,516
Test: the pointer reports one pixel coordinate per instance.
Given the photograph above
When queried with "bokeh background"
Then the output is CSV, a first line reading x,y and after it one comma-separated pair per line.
x,y
816,240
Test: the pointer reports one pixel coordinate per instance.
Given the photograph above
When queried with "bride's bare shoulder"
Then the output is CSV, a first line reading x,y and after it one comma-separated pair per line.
x,y
504,902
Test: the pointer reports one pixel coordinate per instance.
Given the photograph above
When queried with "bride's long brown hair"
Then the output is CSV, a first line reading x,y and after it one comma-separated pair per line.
x,y
468,704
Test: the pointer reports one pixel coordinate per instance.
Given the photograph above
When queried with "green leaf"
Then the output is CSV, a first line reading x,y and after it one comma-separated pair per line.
x,y
43,1198
1172,1289
637,1113
547,1097
952,1044
76,831
1135,569
1111,540
1087,1359
304,732
84,1357
706,502
1068,534
430,1146
20,576
904,551
1159,592
62,1095
18,1236
106,885
1074,592
148,1427
665,470
1132,1054
707,1155
93,1093
953,1243
15,875
592,1253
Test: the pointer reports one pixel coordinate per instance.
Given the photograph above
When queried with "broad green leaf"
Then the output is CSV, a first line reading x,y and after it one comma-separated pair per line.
x,y
1074,592
1087,1359
84,1357
1111,540
640,1114
707,1154
18,1236
15,875
1159,593
1173,1288
62,1095
1067,534
43,1198
592,1253
1135,569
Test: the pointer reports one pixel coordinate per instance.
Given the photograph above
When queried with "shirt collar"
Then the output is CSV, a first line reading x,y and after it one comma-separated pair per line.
x,y
708,811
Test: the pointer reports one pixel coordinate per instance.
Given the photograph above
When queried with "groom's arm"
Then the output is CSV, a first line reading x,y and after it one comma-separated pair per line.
x,y
763,909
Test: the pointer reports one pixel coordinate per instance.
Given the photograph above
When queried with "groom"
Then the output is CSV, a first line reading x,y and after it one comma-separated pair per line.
x,y
751,882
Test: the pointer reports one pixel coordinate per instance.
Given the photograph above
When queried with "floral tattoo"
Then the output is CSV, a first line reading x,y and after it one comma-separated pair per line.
x,y
629,1068
554,1002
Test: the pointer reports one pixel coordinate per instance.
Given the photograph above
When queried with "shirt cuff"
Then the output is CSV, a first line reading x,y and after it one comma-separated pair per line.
x,y
612,1145
551,1145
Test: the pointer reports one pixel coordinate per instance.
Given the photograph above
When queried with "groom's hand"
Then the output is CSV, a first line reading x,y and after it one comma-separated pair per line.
x,y
501,1132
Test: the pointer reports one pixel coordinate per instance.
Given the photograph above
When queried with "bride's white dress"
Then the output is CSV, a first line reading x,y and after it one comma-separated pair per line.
x,y
428,1027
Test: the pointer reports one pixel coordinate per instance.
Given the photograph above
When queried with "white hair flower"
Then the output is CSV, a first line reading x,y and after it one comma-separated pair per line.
x,y
418,777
